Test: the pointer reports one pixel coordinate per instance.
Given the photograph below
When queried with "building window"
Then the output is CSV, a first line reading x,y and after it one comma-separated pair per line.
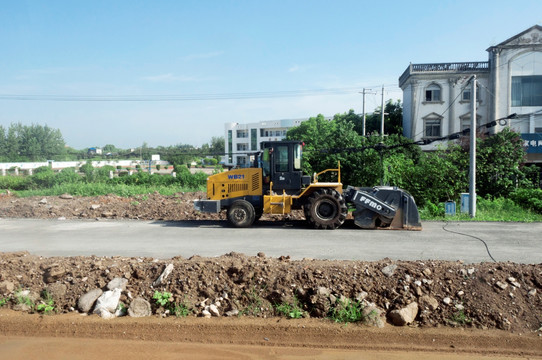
x,y
242,147
432,93
466,95
230,146
242,133
432,127
254,139
527,90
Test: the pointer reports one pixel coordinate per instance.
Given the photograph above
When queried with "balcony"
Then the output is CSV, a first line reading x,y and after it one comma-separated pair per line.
x,y
456,68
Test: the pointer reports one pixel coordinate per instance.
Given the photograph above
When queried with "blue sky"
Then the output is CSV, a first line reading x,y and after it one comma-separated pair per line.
x,y
217,59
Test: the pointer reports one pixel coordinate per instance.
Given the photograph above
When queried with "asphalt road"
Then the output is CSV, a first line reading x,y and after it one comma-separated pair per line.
x,y
467,241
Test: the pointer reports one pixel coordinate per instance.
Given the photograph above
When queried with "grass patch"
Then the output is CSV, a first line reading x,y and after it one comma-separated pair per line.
x,y
97,189
291,311
459,317
500,209
347,311
165,300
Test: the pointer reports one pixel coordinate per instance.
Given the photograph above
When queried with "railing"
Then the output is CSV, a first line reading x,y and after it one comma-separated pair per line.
x,y
473,66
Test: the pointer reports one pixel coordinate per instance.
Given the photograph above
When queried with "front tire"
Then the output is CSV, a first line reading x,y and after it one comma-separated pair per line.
x,y
241,214
325,209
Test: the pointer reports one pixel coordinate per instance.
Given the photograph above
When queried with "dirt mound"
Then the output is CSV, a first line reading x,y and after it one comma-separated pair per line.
x,y
503,296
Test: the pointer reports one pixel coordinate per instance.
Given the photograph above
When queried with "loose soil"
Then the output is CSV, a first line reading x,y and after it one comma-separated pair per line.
x,y
453,298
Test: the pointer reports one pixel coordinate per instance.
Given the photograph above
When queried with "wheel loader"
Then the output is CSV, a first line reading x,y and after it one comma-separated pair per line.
x,y
276,185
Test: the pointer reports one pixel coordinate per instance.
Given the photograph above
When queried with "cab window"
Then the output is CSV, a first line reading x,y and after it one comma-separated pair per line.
x,y
281,158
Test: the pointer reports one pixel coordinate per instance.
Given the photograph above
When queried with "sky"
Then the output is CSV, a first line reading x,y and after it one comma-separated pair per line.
x,y
161,72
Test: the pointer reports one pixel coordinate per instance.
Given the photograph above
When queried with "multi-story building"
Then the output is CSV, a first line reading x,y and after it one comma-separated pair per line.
x,y
241,140
437,98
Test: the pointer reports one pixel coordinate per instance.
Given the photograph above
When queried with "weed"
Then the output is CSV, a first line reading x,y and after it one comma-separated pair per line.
x,y
291,311
134,203
254,306
181,310
22,298
4,301
347,311
460,318
162,299
165,300
47,305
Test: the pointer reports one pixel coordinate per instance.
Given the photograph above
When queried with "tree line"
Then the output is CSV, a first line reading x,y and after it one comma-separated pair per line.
x,y
33,143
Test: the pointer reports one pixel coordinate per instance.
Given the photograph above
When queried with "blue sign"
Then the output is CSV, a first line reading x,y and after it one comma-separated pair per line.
x,y
532,143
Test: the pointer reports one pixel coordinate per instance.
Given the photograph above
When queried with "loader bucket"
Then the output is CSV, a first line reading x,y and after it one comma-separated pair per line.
x,y
383,207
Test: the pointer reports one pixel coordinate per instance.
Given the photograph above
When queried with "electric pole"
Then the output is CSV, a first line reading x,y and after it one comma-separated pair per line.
x,y
382,115
472,168
363,109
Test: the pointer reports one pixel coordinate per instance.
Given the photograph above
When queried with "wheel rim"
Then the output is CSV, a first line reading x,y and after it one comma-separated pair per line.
x,y
326,210
239,215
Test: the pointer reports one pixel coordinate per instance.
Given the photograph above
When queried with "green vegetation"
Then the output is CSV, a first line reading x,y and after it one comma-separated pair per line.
x,y
21,298
347,311
165,300
291,311
47,306
4,301
254,303
459,317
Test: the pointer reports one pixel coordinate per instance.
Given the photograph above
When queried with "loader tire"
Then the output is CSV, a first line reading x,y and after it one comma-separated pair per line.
x,y
325,209
241,214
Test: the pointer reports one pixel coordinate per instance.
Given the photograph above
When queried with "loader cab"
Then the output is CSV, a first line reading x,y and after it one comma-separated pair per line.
x,y
281,164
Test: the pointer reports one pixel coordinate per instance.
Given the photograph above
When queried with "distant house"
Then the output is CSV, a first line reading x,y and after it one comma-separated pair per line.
x,y
94,151
437,100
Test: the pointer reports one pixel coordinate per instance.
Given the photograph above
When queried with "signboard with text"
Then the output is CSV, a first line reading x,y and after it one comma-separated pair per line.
x,y
532,143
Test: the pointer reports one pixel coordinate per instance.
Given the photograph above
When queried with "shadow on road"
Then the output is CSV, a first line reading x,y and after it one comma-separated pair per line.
x,y
262,224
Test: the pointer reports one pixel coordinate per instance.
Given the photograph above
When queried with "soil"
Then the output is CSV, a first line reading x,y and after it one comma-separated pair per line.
x,y
485,298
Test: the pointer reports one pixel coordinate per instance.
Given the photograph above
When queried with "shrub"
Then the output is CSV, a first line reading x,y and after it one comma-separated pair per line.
x,y
158,166
528,199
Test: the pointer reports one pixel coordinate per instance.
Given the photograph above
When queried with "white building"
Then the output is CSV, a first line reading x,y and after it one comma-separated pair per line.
x,y
437,100
243,139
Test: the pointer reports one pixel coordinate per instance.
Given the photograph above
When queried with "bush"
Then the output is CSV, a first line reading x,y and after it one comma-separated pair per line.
x,y
528,199
15,182
158,166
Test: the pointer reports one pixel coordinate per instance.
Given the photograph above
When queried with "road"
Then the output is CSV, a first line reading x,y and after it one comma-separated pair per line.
x,y
516,242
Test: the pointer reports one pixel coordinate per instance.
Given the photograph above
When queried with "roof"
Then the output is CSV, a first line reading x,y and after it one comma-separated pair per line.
x,y
516,40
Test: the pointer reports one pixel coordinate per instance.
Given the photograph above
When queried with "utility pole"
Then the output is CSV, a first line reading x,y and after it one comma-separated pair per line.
x,y
382,115
363,109
472,168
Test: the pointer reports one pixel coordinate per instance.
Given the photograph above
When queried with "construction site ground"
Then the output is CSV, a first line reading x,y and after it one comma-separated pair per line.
x,y
464,310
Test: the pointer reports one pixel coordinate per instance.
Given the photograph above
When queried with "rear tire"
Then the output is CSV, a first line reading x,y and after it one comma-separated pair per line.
x,y
325,209
241,214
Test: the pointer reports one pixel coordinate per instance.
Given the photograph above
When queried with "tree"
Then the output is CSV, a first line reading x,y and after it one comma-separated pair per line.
x,y
31,143
393,121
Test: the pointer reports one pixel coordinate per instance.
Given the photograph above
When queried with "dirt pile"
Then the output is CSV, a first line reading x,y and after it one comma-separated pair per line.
x,y
489,295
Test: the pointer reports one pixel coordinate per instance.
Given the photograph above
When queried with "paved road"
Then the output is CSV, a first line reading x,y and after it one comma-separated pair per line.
x,y
516,242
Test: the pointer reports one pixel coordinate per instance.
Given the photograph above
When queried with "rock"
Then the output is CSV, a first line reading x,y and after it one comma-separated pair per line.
x,y
501,285
532,292
43,201
233,312
107,214
460,293
57,291
361,296
206,313
389,270
87,300
459,307
418,283
6,287
66,196
404,316
109,301
447,300
52,274
104,314
22,307
214,310
373,316
323,291
163,276
94,206
428,302
427,272
470,271
117,283
139,307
